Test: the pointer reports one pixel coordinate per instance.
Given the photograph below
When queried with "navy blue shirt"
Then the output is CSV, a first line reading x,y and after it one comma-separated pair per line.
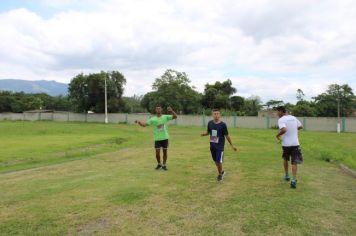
x,y
217,134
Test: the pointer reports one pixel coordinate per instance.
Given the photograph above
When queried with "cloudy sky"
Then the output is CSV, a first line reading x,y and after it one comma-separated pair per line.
x,y
268,48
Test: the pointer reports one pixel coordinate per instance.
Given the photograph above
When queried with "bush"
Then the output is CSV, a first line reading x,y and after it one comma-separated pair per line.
x,y
326,156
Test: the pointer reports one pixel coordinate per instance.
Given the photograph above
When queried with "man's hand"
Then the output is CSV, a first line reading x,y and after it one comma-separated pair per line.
x,y
279,140
280,133
140,123
169,109
204,134
229,140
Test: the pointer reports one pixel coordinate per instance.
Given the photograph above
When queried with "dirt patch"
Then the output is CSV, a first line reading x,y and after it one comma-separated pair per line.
x,y
94,227
120,140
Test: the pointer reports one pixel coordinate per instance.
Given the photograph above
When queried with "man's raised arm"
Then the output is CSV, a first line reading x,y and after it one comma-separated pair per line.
x,y
174,115
143,124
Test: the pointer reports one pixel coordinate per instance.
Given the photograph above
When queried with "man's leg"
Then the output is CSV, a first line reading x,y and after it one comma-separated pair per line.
x,y
158,155
285,164
164,167
294,171
293,183
158,158
297,158
165,156
219,167
286,157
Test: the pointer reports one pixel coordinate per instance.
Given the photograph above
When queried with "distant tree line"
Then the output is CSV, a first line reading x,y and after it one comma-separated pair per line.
x,y
325,104
19,102
173,88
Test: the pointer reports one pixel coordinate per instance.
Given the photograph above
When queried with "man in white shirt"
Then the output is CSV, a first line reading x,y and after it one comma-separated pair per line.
x,y
288,130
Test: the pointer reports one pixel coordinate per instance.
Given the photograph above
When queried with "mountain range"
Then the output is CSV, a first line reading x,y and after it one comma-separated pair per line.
x,y
52,88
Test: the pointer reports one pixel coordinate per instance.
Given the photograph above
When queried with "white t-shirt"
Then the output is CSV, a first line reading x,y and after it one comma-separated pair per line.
x,y
290,138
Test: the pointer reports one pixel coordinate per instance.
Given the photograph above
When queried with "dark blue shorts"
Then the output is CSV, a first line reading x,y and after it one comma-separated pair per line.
x,y
217,155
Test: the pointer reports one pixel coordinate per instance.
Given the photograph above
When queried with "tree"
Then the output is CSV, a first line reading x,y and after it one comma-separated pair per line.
x,y
327,103
300,95
20,102
133,104
61,103
79,93
237,103
274,103
6,99
87,92
304,108
289,106
252,105
218,95
173,89
148,100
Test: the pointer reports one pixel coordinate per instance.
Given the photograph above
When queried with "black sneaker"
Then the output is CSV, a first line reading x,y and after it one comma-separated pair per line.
x,y
293,184
158,167
164,168
286,178
220,177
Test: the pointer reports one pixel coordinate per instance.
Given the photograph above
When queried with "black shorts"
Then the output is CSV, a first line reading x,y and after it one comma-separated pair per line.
x,y
293,151
161,144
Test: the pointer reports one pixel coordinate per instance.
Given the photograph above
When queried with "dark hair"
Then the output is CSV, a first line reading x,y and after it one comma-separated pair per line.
x,y
281,108
158,105
216,109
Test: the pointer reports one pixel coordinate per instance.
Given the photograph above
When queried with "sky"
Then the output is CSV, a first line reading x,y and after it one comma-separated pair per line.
x,y
267,48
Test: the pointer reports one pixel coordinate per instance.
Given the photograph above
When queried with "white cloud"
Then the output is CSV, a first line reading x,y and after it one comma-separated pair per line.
x,y
271,41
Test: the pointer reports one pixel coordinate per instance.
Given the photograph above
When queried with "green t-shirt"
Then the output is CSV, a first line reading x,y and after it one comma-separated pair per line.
x,y
160,131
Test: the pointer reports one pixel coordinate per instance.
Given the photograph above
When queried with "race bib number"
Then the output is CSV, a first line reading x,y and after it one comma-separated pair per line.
x,y
214,136
160,127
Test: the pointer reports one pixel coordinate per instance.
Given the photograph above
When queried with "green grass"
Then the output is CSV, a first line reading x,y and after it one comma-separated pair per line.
x,y
96,179
33,144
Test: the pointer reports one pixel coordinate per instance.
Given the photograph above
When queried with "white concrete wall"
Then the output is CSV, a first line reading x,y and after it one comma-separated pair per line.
x,y
350,124
309,123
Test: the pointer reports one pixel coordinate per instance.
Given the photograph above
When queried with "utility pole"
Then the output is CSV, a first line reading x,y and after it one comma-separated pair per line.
x,y
338,113
106,104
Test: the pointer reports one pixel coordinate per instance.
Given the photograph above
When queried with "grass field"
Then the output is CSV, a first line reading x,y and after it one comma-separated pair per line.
x,y
96,179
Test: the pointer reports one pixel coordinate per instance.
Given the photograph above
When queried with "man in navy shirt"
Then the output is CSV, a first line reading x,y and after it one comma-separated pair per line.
x,y
218,132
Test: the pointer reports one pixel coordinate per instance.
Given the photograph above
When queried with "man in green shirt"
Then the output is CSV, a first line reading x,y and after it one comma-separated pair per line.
x,y
160,133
